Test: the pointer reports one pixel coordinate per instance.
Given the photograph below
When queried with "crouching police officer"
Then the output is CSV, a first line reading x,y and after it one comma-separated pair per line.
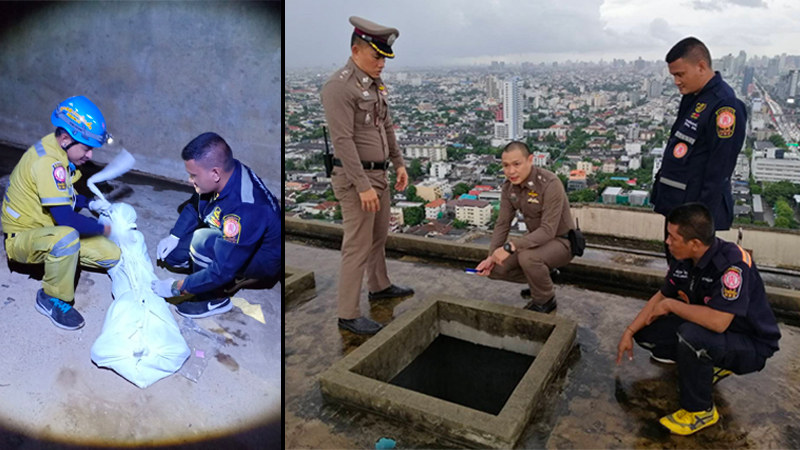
x,y
40,216
231,227
711,316
540,196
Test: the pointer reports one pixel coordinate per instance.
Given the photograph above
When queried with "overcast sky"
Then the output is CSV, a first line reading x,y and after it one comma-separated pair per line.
x,y
447,32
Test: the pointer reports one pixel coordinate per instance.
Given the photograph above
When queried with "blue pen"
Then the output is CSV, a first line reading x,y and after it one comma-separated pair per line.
x,y
475,271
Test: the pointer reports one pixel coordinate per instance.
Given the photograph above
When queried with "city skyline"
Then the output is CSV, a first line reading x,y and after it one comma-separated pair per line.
x,y
614,29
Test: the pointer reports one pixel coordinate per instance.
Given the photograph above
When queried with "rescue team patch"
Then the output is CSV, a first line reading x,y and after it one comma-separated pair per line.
x,y
231,228
732,283
726,122
680,149
60,176
213,218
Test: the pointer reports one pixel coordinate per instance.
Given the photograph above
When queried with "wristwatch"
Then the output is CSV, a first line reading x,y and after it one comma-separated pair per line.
x,y
507,247
175,291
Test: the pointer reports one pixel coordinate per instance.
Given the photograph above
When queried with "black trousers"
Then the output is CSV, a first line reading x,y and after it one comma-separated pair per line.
x,y
697,350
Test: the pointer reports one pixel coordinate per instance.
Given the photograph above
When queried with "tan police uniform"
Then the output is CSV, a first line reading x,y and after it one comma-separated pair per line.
x,y
357,112
545,209
40,180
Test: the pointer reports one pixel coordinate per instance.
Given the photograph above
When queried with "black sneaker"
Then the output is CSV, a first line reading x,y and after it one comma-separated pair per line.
x,y
62,314
545,308
360,325
199,309
391,292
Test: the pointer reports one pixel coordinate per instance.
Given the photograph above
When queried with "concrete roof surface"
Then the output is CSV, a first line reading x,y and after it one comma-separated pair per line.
x,y
590,404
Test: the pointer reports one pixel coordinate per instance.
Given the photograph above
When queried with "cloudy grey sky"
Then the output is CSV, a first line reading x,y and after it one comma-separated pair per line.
x,y
445,32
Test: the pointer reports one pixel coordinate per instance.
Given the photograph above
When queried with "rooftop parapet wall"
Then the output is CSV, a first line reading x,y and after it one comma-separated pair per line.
x,y
769,246
602,275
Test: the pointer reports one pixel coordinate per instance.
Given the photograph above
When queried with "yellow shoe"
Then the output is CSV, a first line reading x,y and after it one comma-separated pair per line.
x,y
685,423
720,374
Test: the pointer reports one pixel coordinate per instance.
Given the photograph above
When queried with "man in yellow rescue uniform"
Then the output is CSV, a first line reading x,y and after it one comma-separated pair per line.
x,y
40,216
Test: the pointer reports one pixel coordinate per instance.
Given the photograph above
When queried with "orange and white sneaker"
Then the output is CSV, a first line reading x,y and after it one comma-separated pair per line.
x,y
685,423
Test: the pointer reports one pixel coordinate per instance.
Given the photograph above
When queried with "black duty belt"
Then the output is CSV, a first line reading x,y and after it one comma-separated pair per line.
x,y
368,165
8,235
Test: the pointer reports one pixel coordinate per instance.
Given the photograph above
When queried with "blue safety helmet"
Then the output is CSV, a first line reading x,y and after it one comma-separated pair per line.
x,y
82,120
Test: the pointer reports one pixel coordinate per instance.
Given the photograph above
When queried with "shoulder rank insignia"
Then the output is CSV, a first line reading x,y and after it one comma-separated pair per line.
x,y
700,107
732,283
726,122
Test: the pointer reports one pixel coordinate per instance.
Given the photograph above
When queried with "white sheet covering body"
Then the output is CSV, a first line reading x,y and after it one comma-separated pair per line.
x,y
140,339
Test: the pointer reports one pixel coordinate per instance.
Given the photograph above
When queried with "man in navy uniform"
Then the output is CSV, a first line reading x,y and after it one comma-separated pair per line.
x,y
711,316
705,140
231,227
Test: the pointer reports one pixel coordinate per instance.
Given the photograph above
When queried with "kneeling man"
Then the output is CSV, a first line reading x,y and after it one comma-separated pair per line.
x,y
711,316
539,195
231,228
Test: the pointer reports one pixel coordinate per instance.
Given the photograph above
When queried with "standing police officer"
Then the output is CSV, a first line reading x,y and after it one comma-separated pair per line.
x,y
357,112
705,140
711,316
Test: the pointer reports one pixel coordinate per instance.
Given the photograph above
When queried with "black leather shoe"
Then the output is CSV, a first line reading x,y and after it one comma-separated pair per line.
x,y
391,292
360,325
545,308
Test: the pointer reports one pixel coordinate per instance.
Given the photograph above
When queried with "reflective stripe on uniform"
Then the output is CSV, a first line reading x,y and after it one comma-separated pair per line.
x,y
108,262
200,263
56,200
39,149
197,255
247,186
673,183
61,247
13,213
685,137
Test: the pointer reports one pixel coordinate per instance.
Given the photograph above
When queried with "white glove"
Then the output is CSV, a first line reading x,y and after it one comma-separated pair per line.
x,y
163,288
166,246
99,206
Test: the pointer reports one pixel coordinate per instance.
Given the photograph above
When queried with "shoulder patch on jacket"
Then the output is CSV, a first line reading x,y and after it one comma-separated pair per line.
x,y
231,228
60,176
726,122
732,283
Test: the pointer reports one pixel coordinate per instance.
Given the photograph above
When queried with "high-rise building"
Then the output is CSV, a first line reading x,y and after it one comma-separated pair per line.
x,y
512,111
493,87
787,87
773,67
639,64
727,64
655,89
747,79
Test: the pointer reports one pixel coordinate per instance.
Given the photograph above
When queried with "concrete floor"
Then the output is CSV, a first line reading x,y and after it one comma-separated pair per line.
x,y
591,404
53,396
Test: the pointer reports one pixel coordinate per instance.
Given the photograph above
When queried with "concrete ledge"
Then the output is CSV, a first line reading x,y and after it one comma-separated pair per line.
x,y
296,281
362,378
606,276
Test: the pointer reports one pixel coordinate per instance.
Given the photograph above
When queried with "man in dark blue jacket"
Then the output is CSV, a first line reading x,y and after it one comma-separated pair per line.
x,y
705,140
231,227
